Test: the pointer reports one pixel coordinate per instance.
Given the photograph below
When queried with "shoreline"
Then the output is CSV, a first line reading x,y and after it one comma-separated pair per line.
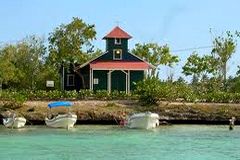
x,y
170,122
111,122
111,112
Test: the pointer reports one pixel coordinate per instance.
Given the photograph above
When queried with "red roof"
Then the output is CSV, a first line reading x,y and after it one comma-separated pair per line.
x,y
119,65
117,32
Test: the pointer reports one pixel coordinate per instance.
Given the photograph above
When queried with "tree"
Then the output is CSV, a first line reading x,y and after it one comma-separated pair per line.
x,y
47,72
29,59
181,80
155,54
200,66
233,83
223,49
21,62
238,72
195,80
7,68
149,90
71,43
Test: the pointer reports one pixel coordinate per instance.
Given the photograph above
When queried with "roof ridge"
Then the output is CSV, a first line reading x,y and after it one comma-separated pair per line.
x,y
117,32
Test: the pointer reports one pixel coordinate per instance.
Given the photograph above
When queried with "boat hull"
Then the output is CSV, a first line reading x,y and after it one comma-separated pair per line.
x,y
143,121
17,122
62,121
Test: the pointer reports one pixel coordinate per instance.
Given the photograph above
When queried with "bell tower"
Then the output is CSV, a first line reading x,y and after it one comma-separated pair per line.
x,y
117,43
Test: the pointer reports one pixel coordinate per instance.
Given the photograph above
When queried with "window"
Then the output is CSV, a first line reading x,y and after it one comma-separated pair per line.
x,y
117,54
70,80
117,41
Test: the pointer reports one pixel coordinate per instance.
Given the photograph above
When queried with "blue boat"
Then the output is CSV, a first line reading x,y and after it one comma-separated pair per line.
x,y
61,120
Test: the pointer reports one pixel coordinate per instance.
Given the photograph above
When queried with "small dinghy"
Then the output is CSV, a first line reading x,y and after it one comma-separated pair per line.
x,y
61,120
146,120
14,122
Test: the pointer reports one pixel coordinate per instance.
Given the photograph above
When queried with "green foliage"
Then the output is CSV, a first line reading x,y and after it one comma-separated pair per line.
x,y
24,95
149,91
155,54
181,80
233,84
8,70
223,48
221,97
200,66
102,94
47,72
20,63
71,43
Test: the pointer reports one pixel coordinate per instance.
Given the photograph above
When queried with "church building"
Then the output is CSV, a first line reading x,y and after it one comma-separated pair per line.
x,y
116,69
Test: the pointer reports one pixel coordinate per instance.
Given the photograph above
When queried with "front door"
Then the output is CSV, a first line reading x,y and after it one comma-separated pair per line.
x,y
118,81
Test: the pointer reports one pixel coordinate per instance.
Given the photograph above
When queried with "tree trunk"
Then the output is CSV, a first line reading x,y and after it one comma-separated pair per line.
x,y
82,78
224,74
0,85
80,75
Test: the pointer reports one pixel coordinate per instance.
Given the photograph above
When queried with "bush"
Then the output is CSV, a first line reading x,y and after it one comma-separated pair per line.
x,y
149,91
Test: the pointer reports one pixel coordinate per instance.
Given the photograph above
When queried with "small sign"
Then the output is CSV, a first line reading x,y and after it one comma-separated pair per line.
x,y
95,81
49,83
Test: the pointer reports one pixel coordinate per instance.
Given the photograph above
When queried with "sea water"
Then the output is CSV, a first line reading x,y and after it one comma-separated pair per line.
x,y
90,142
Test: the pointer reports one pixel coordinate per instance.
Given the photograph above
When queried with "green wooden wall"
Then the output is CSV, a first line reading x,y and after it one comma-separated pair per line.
x,y
110,46
118,78
135,76
102,80
118,81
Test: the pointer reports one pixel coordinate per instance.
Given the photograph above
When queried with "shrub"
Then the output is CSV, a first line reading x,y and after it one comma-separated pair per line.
x,y
149,91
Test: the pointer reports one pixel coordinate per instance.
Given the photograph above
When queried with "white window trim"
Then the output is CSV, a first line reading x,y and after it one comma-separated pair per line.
x,y
114,58
69,75
116,42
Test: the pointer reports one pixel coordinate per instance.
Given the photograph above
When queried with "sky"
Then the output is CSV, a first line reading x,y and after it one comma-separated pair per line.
x,y
181,24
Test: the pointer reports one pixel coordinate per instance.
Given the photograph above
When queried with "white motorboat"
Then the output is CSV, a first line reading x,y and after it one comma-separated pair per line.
x,y
14,122
146,120
61,120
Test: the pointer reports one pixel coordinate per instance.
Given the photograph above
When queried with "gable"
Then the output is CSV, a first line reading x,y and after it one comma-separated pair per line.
x,y
108,56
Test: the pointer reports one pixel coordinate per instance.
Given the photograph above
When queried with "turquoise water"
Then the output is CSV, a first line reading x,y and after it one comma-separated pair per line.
x,y
88,142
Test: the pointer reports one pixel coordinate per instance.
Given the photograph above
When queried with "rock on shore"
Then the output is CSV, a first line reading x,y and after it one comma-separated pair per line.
x,y
97,111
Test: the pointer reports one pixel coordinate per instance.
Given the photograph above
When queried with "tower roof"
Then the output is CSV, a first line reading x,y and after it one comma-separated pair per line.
x,y
117,32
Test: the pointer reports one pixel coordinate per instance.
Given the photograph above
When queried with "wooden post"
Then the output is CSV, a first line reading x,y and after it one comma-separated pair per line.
x,y
109,80
129,82
90,79
126,83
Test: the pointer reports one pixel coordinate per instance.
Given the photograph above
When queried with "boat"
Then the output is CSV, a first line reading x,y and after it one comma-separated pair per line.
x,y
14,122
145,120
61,120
